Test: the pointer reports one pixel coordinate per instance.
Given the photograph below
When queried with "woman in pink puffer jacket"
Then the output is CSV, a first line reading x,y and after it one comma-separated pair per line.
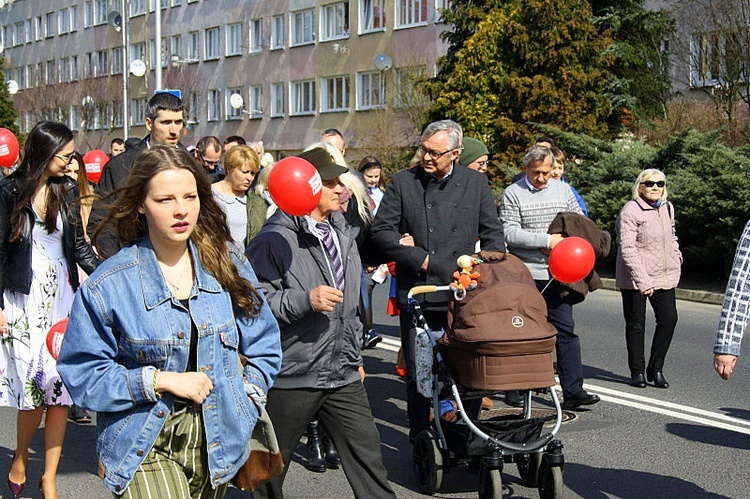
x,y
648,267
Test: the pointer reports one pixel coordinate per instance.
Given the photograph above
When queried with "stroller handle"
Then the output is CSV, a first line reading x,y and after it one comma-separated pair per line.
x,y
427,288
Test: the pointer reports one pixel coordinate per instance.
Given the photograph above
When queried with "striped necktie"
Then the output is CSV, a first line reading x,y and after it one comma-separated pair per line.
x,y
333,253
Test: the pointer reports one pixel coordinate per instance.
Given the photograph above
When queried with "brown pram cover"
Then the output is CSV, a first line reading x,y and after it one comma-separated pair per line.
x,y
498,337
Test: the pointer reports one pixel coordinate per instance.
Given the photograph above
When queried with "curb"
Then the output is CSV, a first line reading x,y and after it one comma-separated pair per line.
x,y
681,294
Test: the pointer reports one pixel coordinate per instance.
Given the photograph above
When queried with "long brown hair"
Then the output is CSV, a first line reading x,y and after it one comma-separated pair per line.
x,y
211,234
44,141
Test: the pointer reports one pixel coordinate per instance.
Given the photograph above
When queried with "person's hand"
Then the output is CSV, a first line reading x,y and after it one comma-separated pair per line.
x,y
425,264
724,364
370,269
195,386
362,374
648,292
3,323
325,298
554,239
406,240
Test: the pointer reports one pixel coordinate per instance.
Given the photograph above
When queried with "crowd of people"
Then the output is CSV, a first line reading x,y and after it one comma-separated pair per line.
x,y
195,305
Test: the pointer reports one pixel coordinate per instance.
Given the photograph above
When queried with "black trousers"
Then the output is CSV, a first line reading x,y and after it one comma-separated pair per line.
x,y
664,303
417,406
568,344
345,413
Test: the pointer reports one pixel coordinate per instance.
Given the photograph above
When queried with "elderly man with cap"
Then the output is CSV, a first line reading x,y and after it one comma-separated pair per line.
x,y
310,271
475,155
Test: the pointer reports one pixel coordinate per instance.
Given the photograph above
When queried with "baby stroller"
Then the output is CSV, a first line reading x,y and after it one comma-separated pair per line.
x,y
498,338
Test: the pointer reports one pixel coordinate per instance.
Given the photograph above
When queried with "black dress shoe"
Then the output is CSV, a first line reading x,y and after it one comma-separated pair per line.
x,y
581,398
658,378
332,455
638,380
315,456
514,398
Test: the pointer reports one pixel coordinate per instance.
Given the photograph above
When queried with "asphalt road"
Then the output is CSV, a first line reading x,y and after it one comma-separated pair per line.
x,y
690,441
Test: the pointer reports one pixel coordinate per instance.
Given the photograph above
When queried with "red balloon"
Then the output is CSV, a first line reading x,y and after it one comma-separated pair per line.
x,y
8,148
571,260
295,186
94,162
55,337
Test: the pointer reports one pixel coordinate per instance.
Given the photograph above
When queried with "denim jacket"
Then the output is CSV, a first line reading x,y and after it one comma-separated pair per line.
x,y
125,324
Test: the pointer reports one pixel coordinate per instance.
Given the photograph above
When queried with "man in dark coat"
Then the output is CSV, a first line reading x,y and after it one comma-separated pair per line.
x,y
446,209
164,122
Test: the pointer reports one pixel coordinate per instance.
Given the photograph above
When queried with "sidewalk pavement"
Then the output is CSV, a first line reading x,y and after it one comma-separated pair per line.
x,y
682,294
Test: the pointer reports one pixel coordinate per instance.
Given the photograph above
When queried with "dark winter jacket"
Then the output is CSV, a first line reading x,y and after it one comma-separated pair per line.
x,y
15,257
320,349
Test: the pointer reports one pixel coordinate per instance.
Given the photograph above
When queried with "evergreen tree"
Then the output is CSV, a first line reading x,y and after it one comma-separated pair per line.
x,y
528,61
8,113
642,84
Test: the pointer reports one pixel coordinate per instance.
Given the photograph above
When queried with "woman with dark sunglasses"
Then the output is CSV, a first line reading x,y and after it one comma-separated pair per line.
x,y
648,268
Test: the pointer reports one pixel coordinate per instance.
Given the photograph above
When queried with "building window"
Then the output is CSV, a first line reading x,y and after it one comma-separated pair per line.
x,y
277,100
101,11
234,39
303,97
371,15
334,21
214,105
88,14
440,6
138,51
406,92
137,7
102,63
39,28
138,107
74,18
117,65
64,21
334,94
256,35
175,45
232,112
277,32
50,25
303,27
51,72
256,101
21,76
370,94
64,69
213,43
411,12
30,76
74,68
117,113
194,45
19,34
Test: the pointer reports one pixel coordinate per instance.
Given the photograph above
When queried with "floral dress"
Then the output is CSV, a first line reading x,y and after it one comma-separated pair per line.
x,y
28,373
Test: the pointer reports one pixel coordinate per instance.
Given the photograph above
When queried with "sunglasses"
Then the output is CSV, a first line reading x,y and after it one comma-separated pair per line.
x,y
68,159
651,183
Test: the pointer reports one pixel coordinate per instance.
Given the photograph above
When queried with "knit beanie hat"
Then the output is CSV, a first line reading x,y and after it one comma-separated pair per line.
x,y
472,150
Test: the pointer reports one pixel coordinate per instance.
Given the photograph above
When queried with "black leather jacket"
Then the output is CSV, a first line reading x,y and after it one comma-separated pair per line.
x,y
15,258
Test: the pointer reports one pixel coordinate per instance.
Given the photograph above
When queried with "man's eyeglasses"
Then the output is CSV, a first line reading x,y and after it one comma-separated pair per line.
x,y
483,164
68,159
651,183
434,155
207,162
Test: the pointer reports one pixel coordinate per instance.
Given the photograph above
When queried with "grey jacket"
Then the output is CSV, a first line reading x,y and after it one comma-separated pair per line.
x,y
319,350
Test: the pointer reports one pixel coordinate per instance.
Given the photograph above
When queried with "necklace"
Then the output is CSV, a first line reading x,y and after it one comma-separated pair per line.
x,y
181,274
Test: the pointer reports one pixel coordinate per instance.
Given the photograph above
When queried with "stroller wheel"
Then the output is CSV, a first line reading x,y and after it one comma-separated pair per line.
x,y
528,468
490,484
550,481
428,463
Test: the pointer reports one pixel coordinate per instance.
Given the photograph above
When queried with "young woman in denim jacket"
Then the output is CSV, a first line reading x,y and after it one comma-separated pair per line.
x,y
156,335
648,268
